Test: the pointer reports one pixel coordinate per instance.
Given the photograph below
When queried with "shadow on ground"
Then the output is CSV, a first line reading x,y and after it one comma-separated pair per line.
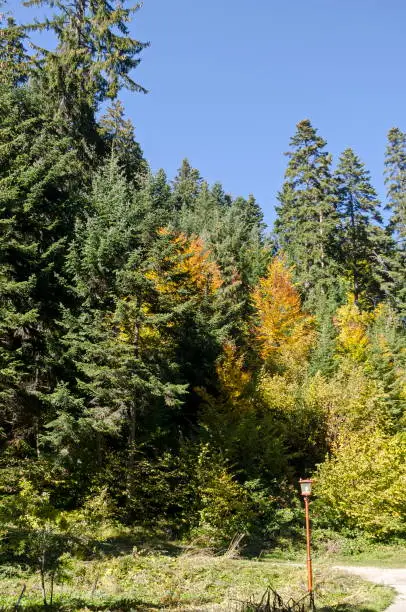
x,y
345,608
73,604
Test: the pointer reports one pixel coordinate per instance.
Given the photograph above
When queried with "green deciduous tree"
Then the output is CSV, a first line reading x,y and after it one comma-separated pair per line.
x,y
361,486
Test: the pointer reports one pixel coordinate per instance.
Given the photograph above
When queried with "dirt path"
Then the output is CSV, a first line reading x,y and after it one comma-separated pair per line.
x,y
395,578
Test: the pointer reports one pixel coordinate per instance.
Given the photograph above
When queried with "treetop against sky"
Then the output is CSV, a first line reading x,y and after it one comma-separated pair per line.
x,y
228,81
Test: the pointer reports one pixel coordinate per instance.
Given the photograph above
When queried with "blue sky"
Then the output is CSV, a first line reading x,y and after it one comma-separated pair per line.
x,y
229,80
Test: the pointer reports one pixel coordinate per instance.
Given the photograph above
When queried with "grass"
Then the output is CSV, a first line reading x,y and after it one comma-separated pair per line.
x,y
147,580
390,556
331,548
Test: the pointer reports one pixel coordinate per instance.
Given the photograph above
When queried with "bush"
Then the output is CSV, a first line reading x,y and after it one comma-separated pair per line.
x,y
362,486
225,505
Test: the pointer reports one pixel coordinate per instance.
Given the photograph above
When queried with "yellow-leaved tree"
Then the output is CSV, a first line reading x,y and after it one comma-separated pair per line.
x,y
352,324
285,333
362,486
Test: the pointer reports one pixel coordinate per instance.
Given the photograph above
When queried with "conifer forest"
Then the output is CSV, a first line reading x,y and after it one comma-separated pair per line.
x,y
169,363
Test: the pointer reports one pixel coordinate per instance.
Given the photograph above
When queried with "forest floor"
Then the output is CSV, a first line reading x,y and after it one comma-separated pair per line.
x,y
190,581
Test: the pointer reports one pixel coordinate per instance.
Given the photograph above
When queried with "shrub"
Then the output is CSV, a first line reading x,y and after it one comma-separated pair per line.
x,y
362,486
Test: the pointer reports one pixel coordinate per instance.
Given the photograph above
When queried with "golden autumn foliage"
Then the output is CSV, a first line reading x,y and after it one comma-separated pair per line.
x,y
284,332
192,263
203,271
232,376
353,324
362,485
182,271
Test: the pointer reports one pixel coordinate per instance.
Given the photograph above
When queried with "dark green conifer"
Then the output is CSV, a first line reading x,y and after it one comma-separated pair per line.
x,y
306,222
14,60
395,179
186,185
118,134
41,186
218,193
394,264
93,59
360,219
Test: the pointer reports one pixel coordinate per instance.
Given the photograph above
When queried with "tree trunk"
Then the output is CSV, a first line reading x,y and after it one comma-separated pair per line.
x,y
42,572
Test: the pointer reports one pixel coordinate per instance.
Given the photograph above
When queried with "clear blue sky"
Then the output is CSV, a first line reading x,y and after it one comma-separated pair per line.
x,y
229,80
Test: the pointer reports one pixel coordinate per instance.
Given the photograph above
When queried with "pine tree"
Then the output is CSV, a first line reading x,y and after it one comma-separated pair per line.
x,y
358,208
306,219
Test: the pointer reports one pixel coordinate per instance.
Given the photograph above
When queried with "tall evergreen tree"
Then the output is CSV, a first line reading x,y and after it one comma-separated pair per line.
x,y
358,208
111,340
395,179
41,186
218,193
307,220
118,134
186,185
92,61
14,60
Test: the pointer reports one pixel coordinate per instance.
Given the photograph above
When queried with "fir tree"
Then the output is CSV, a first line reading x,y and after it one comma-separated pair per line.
x,y
186,186
40,183
118,134
14,60
387,361
218,193
160,193
395,179
358,208
306,216
112,343
92,61
394,264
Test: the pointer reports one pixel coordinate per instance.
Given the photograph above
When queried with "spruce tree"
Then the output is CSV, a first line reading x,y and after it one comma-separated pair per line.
x,y
306,222
360,219
218,193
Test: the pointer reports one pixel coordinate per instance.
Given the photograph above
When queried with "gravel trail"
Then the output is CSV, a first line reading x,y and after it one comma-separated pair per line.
x,y
395,578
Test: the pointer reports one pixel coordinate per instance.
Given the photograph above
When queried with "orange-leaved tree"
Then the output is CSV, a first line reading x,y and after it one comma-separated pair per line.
x,y
187,268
